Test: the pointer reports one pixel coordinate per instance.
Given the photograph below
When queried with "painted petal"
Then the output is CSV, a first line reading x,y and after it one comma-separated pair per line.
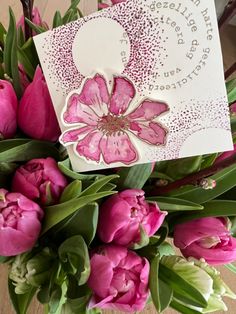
x,y
153,133
122,94
94,91
77,112
89,146
148,110
72,136
118,148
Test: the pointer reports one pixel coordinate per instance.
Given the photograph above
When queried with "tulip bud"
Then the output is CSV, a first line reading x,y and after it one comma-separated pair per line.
x,y
207,184
8,110
36,115
18,273
202,277
39,267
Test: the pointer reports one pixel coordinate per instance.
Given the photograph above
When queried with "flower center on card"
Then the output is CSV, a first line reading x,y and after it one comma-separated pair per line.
x,y
112,124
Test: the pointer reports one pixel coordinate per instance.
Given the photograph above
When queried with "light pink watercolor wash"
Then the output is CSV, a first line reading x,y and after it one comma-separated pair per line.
x,y
104,127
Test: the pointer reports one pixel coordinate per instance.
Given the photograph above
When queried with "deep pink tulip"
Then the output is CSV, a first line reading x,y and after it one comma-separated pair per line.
x,y
122,216
40,180
119,279
20,223
206,238
36,115
8,110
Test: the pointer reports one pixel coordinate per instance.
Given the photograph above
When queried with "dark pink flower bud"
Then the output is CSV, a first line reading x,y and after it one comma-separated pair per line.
x,y
36,115
40,180
8,110
20,223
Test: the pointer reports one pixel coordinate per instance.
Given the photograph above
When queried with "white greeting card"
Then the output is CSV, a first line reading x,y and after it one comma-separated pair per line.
x,y
141,81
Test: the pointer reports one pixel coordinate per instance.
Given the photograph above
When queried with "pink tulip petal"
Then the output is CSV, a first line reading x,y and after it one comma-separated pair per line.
x,y
14,242
118,148
187,233
119,214
152,133
73,136
22,185
213,256
122,95
77,112
148,110
29,224
101,267
89,146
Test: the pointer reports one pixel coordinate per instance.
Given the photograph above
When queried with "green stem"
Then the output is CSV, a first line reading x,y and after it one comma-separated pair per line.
x,y
194,178
27,10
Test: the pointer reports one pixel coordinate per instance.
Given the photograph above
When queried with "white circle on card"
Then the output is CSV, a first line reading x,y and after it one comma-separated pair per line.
x,y
206,141
101,45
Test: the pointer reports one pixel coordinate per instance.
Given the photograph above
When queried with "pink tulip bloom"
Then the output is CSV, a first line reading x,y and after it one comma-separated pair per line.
x,y
106,129
122,216
206,238
20,223
108,3
118,279
8,110
40,180
36,115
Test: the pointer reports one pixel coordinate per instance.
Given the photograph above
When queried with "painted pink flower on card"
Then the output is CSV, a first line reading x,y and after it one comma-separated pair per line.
x,y
104,127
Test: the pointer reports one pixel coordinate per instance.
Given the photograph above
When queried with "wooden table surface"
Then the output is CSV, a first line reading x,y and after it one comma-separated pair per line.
x,y
47,8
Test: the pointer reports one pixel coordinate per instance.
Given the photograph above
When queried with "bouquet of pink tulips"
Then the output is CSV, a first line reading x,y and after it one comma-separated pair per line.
x,y
82,243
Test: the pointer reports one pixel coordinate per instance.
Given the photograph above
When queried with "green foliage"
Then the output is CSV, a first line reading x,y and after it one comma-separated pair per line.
x,y
231,90
10,55
134,177
225,180
172,204
57,213
74,256
20,302
16,150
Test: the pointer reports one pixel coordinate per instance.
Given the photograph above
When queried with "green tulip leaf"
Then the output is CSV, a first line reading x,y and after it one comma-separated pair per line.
x,y
25,149
180,308
216,208
83,222
174,204
134,177
225,180
73,190
57,20
56,213
2,34
231,90
24,60
36,28
231,267
74,256
181,286
20,302
64,166
10,54
98,185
